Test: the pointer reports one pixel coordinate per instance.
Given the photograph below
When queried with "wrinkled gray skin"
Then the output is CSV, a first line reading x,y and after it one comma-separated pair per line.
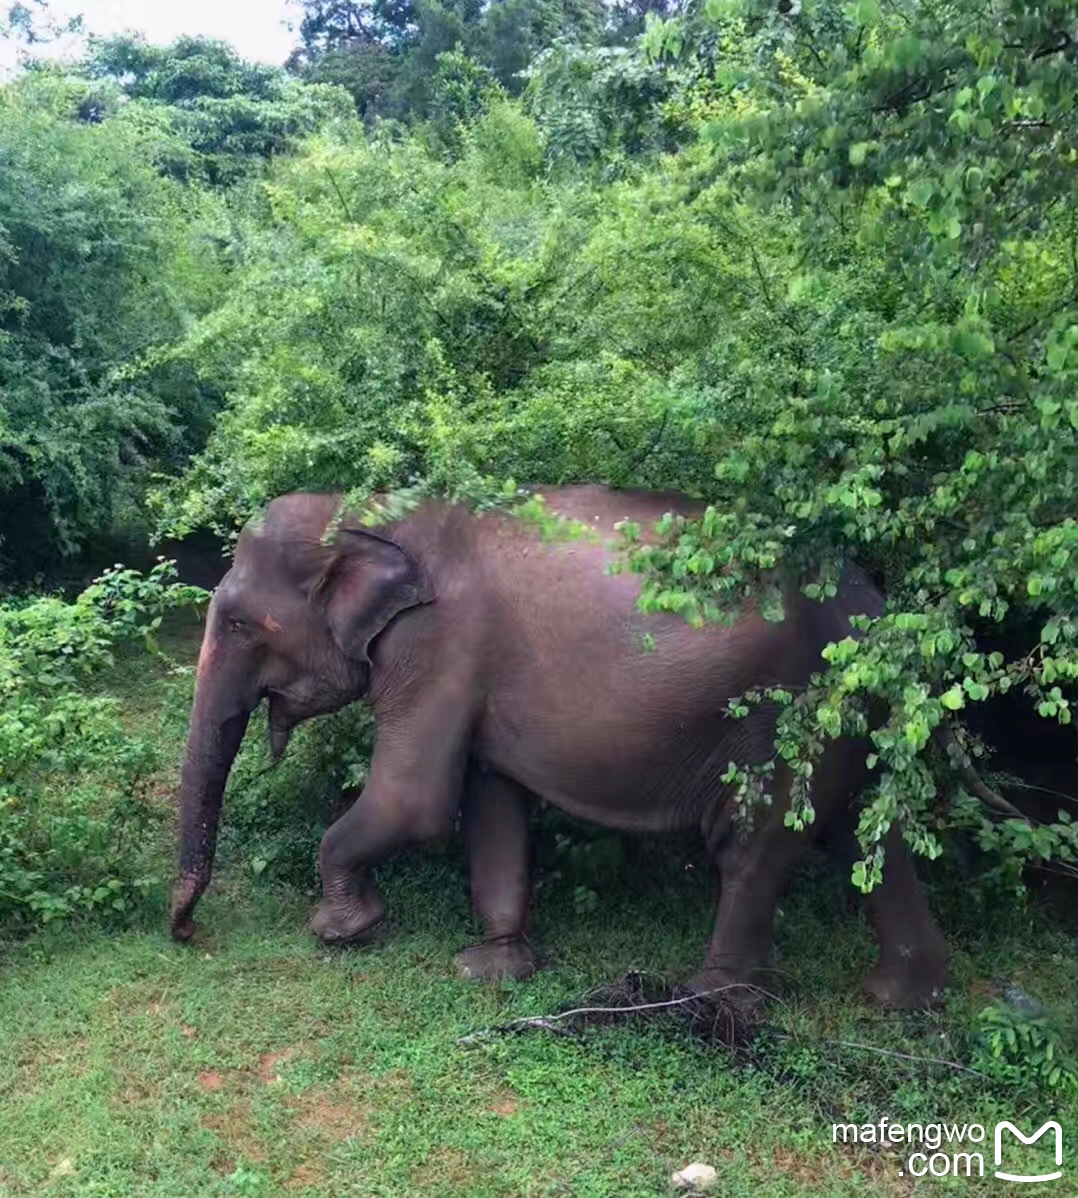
x,y
502,668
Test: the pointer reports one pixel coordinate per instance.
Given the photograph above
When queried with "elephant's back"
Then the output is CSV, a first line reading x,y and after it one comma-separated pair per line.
x,y
603,508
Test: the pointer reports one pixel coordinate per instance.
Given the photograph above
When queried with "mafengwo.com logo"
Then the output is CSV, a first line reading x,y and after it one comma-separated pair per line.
x,y
937,1149
1044,1129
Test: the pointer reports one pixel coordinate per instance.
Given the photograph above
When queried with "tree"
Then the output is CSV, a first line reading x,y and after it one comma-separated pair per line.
x,y
913,174
235,115
110,246
332,25
96,268
358,46
386,52
30,23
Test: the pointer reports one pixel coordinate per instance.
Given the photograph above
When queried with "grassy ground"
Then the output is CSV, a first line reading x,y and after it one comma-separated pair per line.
x,y
257,1063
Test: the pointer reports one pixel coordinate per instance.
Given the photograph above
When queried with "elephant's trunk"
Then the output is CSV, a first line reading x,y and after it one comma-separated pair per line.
x,y
218,723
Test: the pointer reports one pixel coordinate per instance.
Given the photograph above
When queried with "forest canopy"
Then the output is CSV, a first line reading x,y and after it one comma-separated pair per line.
x,y
812,262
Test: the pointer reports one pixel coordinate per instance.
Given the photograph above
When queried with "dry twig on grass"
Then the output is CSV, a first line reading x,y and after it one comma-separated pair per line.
x,y
551,1023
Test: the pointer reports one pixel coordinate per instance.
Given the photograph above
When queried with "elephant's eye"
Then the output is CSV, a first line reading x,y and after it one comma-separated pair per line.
x,y
237,626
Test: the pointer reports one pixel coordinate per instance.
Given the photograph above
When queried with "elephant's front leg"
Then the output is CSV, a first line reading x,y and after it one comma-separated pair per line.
x,y
495,821
410,797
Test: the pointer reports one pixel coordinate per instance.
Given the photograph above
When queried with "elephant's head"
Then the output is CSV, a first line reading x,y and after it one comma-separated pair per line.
x,y
292,622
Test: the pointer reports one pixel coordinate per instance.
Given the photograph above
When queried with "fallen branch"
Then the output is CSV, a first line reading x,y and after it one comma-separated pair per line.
x,y
551,1023
890,1052
548,1023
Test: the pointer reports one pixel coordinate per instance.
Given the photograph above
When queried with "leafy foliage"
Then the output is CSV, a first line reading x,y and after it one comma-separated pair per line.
x,y
74,781
927,422
100,259
112,243
231,114
1025,1050
385,52
814,266
601,105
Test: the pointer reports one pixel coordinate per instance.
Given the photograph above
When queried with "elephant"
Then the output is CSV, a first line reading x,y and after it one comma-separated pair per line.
x,y
505,667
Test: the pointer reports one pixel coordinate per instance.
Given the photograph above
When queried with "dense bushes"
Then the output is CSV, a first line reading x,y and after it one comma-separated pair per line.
x,y
77,819
99,260
115,238
918,285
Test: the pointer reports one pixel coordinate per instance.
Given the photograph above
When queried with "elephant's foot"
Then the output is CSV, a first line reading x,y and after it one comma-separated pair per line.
x,y
498,958
343,917
908,982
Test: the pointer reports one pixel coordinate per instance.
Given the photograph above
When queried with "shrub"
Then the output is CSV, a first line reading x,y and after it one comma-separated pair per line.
x,y
1024,1049
76,833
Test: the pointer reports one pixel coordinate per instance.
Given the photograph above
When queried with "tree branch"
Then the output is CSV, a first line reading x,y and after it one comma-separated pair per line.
x,y
958,757
340,196
1060,40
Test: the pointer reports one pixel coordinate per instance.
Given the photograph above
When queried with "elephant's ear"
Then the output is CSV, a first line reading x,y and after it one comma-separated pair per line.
x,y
370,580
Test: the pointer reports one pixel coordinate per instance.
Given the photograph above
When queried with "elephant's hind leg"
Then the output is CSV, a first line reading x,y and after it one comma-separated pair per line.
x,y
495,823
755,865
914,961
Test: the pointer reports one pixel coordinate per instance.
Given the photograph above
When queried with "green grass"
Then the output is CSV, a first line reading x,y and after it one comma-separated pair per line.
x,y
255,1062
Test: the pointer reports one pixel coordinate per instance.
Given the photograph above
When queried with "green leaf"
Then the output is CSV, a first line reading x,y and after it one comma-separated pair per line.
x,y
922,191
866,12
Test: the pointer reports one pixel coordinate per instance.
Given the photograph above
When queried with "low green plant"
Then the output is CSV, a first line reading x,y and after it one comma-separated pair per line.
x,y
75,782
1024,1049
